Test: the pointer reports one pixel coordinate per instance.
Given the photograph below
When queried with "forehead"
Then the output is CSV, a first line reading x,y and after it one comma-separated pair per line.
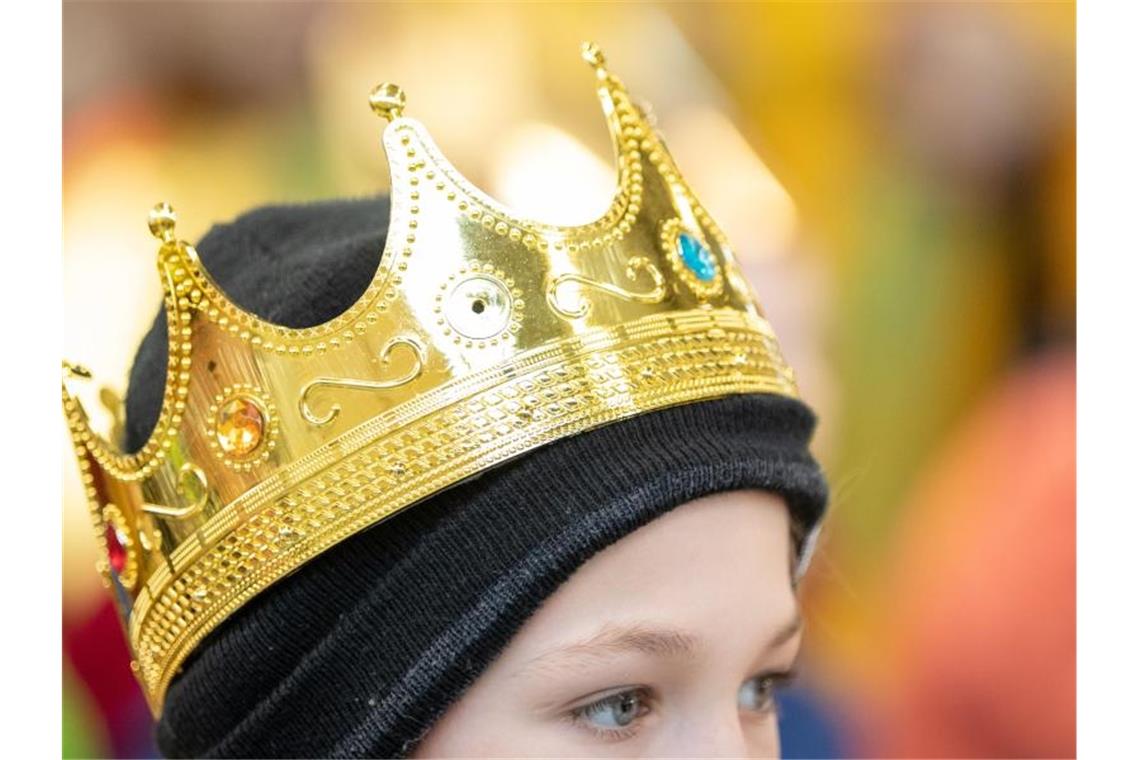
x,y
713,560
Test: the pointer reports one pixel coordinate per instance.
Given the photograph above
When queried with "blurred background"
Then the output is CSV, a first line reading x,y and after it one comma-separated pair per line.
x,y
899,180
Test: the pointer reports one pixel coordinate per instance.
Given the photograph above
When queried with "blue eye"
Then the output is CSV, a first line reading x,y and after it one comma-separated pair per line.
x,y
614,712
757,694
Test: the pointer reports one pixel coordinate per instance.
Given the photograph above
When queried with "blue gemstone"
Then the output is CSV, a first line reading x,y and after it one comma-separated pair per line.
x,y
696,257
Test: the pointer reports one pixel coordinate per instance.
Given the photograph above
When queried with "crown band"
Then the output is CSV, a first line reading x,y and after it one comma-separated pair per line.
x,y
284,522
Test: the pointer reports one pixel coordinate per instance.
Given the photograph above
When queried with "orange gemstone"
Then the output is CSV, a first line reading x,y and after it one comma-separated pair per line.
x,y
241,425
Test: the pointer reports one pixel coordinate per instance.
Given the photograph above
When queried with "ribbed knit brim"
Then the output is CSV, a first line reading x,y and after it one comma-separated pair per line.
x,y
360,651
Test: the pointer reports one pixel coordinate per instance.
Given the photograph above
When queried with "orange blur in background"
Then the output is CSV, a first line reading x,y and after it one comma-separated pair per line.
x,y
899,181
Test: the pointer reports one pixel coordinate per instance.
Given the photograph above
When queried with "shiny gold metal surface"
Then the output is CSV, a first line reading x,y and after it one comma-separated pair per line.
x,y
482,336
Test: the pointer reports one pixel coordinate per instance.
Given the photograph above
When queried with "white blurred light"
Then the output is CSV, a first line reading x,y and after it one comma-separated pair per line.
x,y
543,173
732,183
111,295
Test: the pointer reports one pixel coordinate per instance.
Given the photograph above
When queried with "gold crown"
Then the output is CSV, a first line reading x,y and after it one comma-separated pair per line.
x,y
481,336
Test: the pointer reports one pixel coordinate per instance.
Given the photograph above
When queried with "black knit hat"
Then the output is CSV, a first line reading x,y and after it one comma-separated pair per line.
x,y
363,648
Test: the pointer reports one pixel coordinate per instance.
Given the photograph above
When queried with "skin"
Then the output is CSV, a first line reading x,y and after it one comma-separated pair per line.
x,y
667,643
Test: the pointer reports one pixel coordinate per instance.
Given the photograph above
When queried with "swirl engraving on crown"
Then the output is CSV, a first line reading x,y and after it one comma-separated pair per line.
x,y
555,295
419,357
189,473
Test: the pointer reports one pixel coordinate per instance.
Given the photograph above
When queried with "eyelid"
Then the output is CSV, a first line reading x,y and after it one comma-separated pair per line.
x,y
576,715
598,696
779,677
783,671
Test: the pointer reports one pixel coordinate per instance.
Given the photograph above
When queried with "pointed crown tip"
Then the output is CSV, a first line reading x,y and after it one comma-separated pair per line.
x,y
71,369
161,221
593,55
387,100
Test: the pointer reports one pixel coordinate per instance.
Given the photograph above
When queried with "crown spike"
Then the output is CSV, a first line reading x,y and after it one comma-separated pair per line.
x,y
71,369
161,221
388,100
593,55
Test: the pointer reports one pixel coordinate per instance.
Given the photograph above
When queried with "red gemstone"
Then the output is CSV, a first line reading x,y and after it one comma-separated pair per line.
x,y
116,552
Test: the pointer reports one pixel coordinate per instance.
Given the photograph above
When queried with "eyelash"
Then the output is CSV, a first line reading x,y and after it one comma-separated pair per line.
x,y
580,716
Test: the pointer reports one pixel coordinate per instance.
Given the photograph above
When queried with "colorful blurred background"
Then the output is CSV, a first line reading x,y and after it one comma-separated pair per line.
x,y
899,178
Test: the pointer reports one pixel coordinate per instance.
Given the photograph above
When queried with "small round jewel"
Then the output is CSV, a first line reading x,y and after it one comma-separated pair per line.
x,y
696,256
241,426
479,307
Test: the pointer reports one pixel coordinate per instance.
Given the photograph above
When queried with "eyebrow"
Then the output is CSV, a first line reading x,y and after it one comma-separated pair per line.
x,y
641,638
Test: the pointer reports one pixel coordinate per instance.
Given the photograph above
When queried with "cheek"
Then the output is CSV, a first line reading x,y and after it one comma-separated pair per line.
x,y
464,729
486,723
762,737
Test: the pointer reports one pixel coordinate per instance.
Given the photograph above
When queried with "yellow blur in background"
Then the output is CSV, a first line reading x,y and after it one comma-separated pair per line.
x,y
899,181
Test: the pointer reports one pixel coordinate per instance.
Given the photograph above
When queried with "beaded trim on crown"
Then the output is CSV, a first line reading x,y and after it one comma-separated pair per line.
x,y
495,335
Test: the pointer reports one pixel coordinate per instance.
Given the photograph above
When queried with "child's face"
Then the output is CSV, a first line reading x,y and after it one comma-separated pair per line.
x,y
667,643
